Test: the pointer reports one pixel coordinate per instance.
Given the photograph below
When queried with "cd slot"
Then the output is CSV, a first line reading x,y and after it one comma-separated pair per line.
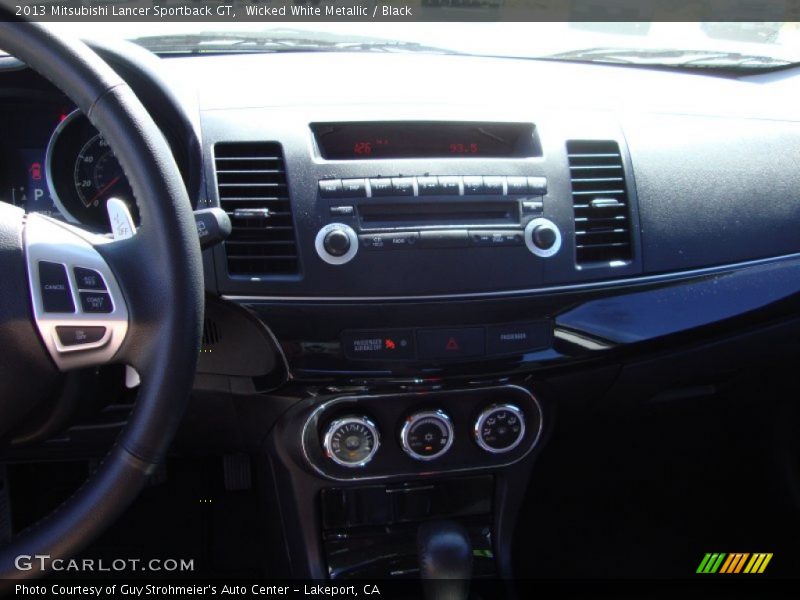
x,y
421,214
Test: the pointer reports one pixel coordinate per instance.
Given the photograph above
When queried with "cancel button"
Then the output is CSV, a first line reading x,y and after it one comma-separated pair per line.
x,y
517,338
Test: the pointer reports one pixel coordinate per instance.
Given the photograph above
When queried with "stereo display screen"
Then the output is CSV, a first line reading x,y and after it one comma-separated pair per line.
x,y
372,140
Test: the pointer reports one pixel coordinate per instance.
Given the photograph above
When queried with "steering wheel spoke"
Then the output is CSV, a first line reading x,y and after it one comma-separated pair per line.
x,y
79,308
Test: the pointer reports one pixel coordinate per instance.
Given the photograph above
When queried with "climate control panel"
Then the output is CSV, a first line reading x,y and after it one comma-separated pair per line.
x,y
435,432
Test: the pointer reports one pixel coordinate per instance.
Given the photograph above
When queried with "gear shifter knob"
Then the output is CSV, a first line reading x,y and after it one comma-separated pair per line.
x,y
445,560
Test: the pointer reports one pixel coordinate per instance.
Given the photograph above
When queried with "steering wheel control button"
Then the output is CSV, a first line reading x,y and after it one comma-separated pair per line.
x,y
542,237
55,289
517,338
336,243
393,344
427,435
96,302
330,188
451,343
351,441
71,335
500,428
89,279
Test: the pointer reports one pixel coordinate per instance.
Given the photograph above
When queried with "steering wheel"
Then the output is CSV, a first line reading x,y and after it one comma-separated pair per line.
x,y
69,298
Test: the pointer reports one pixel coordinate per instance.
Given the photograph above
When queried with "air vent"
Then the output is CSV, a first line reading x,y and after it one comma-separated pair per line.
x,y
251,180
602,216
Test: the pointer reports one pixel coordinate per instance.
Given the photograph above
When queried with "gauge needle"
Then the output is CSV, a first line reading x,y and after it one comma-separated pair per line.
x,y
105,188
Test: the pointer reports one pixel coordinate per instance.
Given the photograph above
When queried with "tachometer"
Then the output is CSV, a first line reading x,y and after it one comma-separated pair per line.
x,y
83,173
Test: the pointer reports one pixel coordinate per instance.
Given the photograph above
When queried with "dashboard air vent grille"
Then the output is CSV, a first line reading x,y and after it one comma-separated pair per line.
x,y
600,200
251,180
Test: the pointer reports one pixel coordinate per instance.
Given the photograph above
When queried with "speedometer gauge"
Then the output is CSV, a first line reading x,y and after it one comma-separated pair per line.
x,y
83,174
98,175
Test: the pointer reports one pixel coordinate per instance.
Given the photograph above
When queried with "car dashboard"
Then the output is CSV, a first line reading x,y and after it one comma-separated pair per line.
x,y
430,253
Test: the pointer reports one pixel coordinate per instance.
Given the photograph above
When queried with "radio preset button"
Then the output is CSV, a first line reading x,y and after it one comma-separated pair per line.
x,y
402,186
474,185
537,185
493,185
450,185
428,186
354,188
381,186
330,188
517,185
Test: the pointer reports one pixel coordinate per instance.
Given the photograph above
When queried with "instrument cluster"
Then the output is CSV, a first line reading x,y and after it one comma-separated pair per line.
x,y
55,162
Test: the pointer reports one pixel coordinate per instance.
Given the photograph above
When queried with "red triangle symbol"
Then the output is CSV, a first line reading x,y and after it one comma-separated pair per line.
x,y
452,344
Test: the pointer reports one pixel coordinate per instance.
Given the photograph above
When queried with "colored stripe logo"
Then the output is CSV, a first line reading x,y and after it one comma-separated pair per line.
x,y
735,562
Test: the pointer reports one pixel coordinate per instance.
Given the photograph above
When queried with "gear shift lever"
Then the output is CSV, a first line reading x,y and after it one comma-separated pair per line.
x,y
445,560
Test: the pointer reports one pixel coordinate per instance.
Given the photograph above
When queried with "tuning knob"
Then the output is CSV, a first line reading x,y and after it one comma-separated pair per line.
x,y
542,237
336,243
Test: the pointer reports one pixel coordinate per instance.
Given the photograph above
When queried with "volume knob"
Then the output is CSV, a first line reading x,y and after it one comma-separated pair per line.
x,y
542,237
336,243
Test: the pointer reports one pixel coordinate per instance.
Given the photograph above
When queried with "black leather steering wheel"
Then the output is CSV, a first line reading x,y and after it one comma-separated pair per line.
x,y
154,281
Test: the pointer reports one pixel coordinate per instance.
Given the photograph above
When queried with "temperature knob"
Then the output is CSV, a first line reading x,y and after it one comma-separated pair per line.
x,y
351,441
500,428
336,243
427,435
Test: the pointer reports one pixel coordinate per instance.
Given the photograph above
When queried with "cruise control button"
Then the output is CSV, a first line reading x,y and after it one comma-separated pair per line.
x,y
402,186
537,185
330,188
54,285
517,185
381,186
451,343
515,338
354,188
89,279
96,302
70,335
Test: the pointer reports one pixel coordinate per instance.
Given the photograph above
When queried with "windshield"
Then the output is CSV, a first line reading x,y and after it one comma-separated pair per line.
x,y
710,44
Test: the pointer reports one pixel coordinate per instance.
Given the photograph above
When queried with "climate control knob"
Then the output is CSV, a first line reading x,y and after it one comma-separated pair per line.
x,y
427,435
542,237
500,428
351,441
336,243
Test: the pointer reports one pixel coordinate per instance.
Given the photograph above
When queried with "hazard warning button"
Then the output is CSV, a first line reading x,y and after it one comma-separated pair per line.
x,y
451,343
